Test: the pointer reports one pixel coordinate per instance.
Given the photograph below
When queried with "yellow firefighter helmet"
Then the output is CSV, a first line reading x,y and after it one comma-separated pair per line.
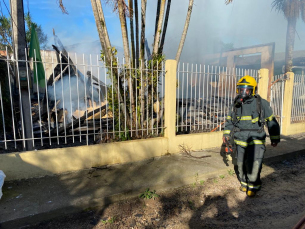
x,y
246,86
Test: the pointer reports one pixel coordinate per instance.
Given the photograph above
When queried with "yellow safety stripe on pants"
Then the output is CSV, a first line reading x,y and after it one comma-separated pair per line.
x,y
227,132
254,186
270,118
255,120
243,183
257,142
275,137
229,118
245,144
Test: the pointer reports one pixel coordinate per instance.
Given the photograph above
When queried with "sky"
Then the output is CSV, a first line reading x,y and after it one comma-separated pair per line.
x,y
243,23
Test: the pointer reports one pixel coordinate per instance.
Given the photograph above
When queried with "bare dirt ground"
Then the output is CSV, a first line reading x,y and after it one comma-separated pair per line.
x,y
215,203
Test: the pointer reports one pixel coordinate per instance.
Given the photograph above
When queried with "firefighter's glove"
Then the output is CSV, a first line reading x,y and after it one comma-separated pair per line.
x,y
225,140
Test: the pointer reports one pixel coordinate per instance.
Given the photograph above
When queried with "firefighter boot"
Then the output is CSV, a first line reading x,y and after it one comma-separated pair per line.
x,y
243,189
251,193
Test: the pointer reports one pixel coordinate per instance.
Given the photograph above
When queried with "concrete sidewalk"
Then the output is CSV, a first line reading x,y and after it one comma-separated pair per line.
x,y
33,200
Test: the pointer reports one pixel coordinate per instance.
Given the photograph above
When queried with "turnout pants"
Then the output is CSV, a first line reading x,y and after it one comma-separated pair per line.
x,y
249,165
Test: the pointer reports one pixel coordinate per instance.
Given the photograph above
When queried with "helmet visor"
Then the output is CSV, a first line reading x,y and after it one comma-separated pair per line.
x,y
245,90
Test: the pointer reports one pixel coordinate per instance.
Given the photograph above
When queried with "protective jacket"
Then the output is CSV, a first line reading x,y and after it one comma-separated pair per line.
x,y
244,121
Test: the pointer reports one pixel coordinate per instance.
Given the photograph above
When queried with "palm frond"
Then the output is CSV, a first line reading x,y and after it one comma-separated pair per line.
x,y
290,8
278,5
227,2
62,7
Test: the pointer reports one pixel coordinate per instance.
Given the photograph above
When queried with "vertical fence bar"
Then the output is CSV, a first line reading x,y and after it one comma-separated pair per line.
x,y
20,101
182,119
106,94
162,121
11,100
71,115
77,87
3,119
86,98
125,103
99,96
187,105
142,99
118,94
199,106
38,96
63,98
28,83
92,97
152,96
157,97
55,100
215,109
147,98
226,96
136,98
130,102
191,99
112,100
178,97
203,97
207,95
47,99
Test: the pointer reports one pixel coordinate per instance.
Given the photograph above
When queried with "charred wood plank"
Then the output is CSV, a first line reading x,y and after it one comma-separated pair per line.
x,y
75,122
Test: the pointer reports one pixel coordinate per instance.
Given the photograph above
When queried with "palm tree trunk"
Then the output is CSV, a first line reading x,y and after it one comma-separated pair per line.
x,y
137,32
186,25
142,53
102,29
143,16
159,28
290,36
165,26
132,87
122,17
130,4
106,46
157,16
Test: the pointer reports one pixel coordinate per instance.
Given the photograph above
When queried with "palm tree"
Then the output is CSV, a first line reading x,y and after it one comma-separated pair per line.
x,y
122,16
186,25
164,27
137,31
132,41
159,27
292,10
143,21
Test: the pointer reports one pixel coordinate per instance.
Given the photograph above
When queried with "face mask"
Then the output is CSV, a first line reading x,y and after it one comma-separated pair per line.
x,y
245,93
238,100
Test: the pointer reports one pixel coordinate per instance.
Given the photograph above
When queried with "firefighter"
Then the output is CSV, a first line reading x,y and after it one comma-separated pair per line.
x,y
244,130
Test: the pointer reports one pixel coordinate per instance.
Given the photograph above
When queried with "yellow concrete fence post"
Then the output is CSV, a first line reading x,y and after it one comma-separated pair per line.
x,y
287,105
170,100
262,89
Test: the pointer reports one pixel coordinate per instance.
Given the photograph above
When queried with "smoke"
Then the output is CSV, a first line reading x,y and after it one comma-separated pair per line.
x,y
243,23
73,93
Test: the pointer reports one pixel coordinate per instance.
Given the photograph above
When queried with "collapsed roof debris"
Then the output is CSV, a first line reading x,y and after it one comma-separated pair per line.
x,y
71,98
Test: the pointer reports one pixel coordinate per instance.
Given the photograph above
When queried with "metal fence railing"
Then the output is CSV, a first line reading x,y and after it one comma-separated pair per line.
x,y
204,95
85,101
298,102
